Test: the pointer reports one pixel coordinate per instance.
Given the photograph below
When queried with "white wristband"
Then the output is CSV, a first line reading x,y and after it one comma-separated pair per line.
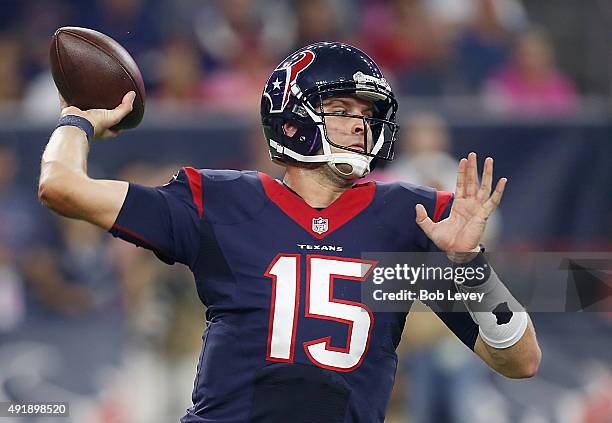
x,y
501,319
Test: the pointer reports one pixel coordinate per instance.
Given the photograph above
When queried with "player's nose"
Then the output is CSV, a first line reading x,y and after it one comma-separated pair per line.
x,y
357,126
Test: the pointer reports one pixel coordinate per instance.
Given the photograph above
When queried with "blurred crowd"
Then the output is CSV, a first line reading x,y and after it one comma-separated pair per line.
x,y
220,52
88,319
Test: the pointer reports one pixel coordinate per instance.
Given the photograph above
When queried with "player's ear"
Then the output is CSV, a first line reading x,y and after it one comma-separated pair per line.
x,y
289,129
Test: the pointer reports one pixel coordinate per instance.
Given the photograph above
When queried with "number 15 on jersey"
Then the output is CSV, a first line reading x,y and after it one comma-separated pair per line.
x,y
320,304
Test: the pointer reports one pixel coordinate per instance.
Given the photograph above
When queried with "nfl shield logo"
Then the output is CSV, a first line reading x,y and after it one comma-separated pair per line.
x,y
319,225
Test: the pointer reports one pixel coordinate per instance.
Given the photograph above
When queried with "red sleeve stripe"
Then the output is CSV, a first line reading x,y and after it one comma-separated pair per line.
x,y
442,200
134,235
195,184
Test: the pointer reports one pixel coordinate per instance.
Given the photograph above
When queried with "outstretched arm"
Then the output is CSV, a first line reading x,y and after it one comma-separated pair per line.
x,y
518,361
64,185
510,348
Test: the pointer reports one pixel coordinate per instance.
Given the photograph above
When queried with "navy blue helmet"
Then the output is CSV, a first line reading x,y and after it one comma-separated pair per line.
x,y
295,93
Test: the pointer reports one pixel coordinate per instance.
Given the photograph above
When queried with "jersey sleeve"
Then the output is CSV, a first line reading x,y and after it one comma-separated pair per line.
x,y
457,318
164,219
459,321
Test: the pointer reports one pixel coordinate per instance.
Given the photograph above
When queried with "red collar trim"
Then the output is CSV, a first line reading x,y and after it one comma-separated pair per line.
x,y
350,203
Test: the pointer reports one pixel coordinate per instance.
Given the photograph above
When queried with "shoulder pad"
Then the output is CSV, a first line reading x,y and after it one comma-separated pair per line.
x,y
230,196
401,198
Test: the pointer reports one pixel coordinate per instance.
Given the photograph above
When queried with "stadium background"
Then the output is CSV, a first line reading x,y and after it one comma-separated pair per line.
x,y
88,319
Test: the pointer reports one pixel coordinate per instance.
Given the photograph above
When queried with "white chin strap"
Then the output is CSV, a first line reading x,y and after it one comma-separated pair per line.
x,y
347,165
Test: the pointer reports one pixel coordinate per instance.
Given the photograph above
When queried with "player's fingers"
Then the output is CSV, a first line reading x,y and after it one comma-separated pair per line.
x,y
424,222
471,175
118,113
127,102
491,204
487,180
460,186
129,98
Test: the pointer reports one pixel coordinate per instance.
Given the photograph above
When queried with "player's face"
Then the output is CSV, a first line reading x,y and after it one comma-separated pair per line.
x,y
348,131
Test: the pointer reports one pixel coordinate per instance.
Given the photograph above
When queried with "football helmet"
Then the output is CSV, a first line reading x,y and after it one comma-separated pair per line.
x,y
295,93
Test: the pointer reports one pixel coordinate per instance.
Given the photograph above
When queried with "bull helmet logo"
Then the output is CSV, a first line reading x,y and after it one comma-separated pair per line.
x,y
279,84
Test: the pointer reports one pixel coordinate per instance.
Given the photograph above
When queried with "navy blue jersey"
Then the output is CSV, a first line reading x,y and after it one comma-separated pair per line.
x,y
287,338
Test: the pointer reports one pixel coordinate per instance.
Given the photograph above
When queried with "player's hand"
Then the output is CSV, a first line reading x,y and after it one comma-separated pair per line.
x,y
472,206
102,119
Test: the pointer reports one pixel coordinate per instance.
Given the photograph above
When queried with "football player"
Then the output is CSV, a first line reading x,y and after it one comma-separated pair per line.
x,y
279,265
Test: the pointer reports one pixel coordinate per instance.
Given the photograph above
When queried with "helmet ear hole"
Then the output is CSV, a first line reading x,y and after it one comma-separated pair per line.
x,y
289,129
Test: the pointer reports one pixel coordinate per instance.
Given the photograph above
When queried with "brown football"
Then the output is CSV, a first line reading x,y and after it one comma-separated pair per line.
x,y
93,71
